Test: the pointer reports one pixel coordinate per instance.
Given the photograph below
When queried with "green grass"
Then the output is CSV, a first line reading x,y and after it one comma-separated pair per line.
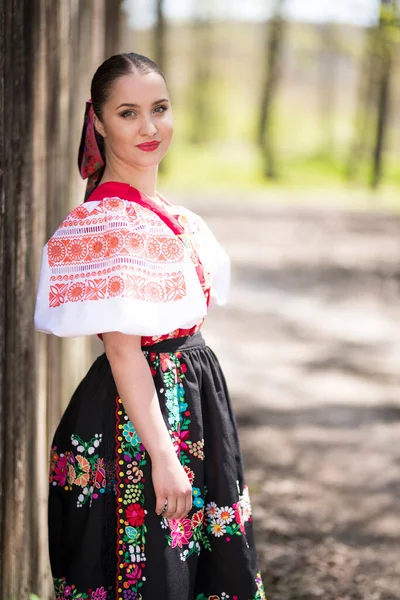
x,y
226,167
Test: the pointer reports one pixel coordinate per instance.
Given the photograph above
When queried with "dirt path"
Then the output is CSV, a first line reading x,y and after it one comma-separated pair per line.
x,y
310,344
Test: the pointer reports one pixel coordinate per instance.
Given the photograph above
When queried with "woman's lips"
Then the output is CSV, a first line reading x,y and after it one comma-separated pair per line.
x,y
148,146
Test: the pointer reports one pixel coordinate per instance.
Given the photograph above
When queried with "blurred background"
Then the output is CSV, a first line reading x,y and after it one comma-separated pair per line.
x,y
287,142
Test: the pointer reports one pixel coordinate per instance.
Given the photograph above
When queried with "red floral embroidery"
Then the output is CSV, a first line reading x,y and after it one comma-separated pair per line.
x,y
56,251
135,514
76,292
116,286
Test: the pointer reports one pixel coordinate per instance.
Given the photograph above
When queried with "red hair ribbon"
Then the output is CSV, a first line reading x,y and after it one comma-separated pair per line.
x,y
90,158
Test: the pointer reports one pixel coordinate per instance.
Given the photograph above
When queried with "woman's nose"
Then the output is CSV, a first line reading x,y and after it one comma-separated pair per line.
x,y
147,127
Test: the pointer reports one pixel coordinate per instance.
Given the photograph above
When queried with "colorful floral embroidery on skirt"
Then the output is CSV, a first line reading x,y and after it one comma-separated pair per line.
x,y
220,519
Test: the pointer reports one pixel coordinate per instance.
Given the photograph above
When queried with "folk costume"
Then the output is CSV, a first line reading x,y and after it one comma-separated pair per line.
x,y
123,262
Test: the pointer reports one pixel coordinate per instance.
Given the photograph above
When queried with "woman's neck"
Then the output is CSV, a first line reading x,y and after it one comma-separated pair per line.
x,y
143,180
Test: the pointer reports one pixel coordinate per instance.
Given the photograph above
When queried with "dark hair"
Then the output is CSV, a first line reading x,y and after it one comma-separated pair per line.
x,y
114,67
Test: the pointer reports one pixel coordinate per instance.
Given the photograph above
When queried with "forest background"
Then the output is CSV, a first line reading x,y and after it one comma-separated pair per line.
x,y
279,104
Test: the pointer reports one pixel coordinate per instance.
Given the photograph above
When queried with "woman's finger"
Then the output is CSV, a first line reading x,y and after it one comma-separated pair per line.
x,y
161,502
171,507
180,508
188,503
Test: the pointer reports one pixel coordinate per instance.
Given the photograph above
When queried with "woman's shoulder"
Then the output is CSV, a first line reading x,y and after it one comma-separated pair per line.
x,y
119,205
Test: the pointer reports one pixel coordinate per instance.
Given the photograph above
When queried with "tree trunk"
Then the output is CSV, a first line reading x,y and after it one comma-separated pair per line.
x,y
160,50
159,35
48,53
387,22
364,108
275,30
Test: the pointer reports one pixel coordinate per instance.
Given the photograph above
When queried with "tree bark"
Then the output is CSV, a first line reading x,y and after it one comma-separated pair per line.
x,y
48,53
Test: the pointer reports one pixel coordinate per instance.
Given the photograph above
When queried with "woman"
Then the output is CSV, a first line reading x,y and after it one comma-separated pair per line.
x,y
147,498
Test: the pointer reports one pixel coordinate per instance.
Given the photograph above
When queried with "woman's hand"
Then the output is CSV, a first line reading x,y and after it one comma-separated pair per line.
x,y
171,485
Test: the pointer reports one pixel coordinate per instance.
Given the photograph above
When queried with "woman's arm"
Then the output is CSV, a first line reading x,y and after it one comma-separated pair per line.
x,y
135,386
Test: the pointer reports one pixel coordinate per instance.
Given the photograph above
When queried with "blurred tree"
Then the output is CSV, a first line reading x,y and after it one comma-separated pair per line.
x,y
373,104
200,100
159,35
274,39
328,76
160,49
385,45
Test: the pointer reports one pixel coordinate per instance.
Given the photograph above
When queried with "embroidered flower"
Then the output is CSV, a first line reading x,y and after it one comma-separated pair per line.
x,y
97,247
96,289
166,362
57,294
76,291
134,572
84,465
56,251
179,439
181,531
217,529
71,474
80,212
197,519
198,502
189,474
116,286
172,249
211,509
115,242
225,514
175,288
130,434
239,517
134,243
133,534
154,292
53,460
100,473
153,248
77,250
135,514
61,470
114,204
99,594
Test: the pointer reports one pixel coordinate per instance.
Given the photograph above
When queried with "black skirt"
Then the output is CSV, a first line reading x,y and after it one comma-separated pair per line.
x,y
106,542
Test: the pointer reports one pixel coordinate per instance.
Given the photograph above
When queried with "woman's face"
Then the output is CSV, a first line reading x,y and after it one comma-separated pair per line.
x,y
137,122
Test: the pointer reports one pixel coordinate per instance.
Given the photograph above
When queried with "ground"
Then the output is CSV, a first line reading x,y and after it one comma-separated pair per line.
x,y
310,345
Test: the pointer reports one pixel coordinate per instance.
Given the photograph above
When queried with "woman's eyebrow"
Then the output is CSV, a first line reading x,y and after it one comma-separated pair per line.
x,y
138,106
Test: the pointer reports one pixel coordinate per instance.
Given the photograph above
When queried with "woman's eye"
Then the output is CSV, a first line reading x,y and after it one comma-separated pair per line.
x,y
128,113
161,109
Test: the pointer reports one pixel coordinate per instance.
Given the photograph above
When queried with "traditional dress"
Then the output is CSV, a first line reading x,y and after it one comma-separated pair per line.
x,y
122,262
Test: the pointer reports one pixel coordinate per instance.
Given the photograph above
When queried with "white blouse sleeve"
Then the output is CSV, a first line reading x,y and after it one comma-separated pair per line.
x,y
114,265
214,258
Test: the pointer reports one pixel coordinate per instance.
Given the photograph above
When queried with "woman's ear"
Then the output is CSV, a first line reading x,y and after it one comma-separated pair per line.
x,y
98,125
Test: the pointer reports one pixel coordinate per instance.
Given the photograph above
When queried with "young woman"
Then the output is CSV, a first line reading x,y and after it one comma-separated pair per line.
x,y
147,498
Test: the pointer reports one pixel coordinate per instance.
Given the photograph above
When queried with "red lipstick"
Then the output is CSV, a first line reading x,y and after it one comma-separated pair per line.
x,y
148,146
